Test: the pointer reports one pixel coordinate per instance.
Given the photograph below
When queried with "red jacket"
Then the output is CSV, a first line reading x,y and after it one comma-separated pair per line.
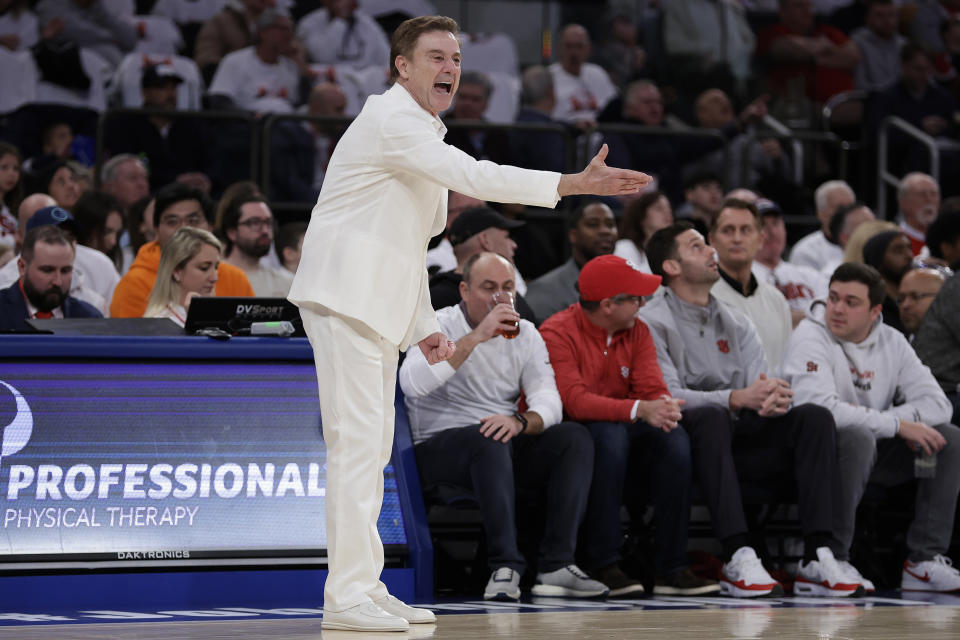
x,y
601,382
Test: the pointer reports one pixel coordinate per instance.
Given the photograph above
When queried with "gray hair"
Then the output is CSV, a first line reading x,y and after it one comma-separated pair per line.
x,y
537,83
904,187
108,172
479,79
824,190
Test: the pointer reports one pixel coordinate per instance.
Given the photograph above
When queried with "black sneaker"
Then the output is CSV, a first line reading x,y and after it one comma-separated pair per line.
x,y
620,584
684,583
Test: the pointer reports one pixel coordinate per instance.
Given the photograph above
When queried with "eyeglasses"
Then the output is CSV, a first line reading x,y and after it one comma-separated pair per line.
x,y
914,296
256,223
621,298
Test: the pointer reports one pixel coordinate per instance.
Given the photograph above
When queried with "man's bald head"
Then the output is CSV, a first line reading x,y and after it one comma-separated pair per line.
x,y
327,99
29,206
574,48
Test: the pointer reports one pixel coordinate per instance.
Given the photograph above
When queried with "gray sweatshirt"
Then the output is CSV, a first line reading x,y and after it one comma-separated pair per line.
x,y
938,339
874,383
703,352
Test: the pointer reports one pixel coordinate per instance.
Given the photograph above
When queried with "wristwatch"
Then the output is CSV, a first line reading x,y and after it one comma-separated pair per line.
x,y
523,421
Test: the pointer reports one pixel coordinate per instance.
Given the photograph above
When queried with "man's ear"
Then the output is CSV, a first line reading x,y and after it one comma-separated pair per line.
x,y
21,266
401,64
671,267
463,289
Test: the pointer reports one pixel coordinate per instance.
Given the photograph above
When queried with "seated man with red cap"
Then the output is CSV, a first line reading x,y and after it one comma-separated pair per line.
x,y
606,368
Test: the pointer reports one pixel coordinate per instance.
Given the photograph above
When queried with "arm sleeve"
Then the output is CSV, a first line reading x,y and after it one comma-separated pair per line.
x,y
537,381
418,378
671,377
579,402
646,379
808,366
923,398
130,297
752,355
409,144
123,32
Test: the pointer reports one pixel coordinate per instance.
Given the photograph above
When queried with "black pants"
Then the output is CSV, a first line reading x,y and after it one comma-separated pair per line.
x,y
728,448
558,463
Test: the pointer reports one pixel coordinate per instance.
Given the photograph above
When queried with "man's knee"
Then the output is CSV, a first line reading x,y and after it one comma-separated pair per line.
x,y
857,446
814,418
573,439
708,426
951,452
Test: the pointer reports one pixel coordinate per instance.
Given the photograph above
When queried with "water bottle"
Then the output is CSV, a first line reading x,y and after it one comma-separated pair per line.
x,y
924,466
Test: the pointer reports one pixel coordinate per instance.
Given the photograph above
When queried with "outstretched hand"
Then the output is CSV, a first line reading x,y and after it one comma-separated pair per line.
x,y
600,180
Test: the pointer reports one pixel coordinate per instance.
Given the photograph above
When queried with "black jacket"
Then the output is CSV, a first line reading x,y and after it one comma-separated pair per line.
x,y
13,309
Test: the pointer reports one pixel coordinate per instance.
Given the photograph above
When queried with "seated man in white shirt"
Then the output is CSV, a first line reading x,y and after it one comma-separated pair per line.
x,y
798,283
339,34
737,235
469,432
582,88
819,248
889,410
247,227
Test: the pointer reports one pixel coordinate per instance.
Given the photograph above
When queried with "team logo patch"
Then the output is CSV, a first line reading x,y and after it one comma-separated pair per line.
x,y
724,346
812,366
625,372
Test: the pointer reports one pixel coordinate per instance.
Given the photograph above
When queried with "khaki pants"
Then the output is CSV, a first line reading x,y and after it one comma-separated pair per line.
x,y
356,375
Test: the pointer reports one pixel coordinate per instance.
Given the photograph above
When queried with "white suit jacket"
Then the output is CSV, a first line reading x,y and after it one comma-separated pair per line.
x,y
383,198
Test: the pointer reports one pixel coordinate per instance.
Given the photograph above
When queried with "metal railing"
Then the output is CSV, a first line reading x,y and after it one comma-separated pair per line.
x,y
885,178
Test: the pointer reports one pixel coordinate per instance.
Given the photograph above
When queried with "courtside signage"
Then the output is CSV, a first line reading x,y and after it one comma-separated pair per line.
x,y
157,461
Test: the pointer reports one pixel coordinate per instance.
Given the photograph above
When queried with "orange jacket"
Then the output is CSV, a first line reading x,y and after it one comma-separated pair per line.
x,y
133,290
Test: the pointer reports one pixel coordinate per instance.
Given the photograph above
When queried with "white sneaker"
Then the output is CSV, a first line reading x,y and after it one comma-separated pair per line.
x,y
363,617
504,585
823,577
931,575
856,576
568,581
397,607
745,577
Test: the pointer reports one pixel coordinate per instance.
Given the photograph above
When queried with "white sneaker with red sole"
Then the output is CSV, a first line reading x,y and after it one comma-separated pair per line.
x,y
745,577
824,578
937,575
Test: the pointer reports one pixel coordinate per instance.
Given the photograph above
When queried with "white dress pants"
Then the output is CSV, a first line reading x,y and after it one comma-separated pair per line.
x,y
356,375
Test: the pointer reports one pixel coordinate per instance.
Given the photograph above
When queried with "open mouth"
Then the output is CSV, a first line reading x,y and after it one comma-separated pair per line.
x,y
444,87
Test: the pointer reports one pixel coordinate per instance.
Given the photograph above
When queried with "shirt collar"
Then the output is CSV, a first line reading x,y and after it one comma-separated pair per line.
x,y
736,286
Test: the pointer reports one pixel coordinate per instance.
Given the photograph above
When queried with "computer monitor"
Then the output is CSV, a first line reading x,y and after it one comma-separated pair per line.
x,y
235,314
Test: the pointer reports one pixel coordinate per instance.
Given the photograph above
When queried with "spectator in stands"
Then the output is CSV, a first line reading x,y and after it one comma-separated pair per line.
x,y
849,362
937,342
326,100
642,217
89,24
819,248
845,221
736,235
176,205
42,291
927,21
441,257
470,104
100,223
270,76
711,39
711,357
339,34
188,268
918,288
889,253
60,181
799,284
621,55
248,230
469,432
943,234
477,230
703,195
18,25
879,43
92,279
805,58
230,30
919,199
608,378
582,88
11,192
174,147
236,191
767,162
124,176
592,232
289,244
541,150
853,250
918,100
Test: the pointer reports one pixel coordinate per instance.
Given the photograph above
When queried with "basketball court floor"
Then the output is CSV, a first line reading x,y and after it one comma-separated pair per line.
x,y
884,617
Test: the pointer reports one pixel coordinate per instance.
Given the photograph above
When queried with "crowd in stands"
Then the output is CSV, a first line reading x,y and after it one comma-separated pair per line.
x,y
671,344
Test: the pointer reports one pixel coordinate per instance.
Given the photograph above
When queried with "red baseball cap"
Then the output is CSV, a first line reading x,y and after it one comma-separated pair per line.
x,y
609,276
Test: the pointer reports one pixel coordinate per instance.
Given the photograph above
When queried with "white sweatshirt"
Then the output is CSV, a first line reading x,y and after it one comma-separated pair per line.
x,y
874,383
489,381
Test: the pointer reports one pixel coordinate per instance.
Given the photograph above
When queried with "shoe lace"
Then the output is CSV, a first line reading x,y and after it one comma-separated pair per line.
x,y
503,574
945,562
577,571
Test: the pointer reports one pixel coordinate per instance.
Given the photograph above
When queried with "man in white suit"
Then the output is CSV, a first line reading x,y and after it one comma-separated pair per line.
x,y
363,293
